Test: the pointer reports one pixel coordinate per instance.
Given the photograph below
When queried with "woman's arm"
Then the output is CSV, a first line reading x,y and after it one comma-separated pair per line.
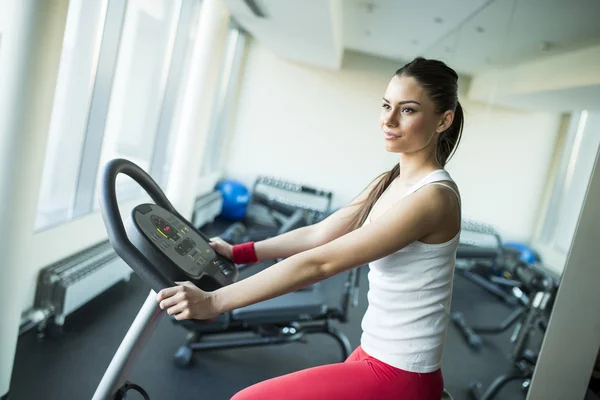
x,y
407,221
309,237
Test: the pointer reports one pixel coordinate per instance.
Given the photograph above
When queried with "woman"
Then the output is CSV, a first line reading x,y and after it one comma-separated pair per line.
x,y
406,224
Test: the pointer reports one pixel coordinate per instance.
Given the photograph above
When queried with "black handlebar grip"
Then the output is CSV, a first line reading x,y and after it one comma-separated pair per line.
x,y
114,223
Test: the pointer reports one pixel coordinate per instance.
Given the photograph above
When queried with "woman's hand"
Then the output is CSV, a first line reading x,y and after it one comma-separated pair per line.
x,y
187,301
222,247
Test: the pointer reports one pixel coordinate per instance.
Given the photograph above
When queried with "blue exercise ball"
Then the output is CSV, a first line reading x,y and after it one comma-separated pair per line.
x,y
235,199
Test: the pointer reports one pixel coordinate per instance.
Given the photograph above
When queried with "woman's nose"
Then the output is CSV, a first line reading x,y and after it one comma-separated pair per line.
x,y
390,120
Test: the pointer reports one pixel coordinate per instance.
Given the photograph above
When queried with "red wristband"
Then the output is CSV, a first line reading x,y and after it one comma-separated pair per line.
x,y
244,253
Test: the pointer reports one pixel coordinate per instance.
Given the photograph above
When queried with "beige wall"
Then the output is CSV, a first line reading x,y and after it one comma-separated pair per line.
x,y
321,127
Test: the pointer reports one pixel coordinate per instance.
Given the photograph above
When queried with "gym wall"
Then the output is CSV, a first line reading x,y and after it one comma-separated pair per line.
x,y
321,127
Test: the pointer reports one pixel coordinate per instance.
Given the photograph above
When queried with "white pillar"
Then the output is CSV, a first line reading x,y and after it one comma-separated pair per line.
x,y
197,106
32,33
571,342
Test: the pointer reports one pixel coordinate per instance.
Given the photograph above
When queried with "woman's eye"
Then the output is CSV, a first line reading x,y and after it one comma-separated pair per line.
x,y
408,110
386,106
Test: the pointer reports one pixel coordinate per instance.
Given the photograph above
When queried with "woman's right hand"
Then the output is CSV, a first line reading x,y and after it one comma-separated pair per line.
x,y
222,247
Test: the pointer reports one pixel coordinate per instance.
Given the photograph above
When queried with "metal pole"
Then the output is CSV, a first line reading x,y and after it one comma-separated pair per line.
x,y
138,334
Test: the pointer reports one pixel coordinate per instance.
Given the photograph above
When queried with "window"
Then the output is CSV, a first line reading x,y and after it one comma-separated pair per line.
x,y
577,163
122,65
224,100
81,46
174,100
139,86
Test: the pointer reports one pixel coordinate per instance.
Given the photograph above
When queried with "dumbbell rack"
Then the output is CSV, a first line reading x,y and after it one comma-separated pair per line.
x,y
297,188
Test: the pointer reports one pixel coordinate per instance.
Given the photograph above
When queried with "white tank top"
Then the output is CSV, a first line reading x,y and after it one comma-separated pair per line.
x,y
409,300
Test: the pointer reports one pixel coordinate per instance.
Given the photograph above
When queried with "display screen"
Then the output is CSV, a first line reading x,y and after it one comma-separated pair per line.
x,y
165,228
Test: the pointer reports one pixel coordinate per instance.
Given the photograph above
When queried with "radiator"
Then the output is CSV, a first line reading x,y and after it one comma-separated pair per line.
x,y
206,208
65,286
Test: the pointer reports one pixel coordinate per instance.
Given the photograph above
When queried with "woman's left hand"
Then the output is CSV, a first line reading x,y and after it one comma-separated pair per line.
x,y
187,301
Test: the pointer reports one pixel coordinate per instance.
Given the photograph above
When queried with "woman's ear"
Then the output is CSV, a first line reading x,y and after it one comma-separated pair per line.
x,y
445,121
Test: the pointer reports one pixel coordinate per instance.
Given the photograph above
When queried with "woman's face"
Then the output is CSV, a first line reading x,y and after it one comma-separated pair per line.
x,y
409,120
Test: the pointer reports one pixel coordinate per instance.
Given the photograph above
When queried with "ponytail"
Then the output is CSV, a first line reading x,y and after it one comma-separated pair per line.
x,y
449,139
383,181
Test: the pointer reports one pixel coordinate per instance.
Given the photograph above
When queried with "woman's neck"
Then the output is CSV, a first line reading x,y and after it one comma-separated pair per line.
x,y
414,167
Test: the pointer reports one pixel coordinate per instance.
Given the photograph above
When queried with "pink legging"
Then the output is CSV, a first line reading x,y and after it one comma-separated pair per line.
x,y
360,377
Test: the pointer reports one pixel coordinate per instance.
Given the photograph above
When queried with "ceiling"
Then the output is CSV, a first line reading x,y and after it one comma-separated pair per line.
x,y
565,100
307,31
472,36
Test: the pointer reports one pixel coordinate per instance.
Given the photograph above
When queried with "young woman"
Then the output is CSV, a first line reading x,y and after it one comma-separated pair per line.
x,y
406,224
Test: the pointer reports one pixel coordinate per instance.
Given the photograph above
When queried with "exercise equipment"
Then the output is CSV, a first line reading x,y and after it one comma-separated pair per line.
x,y
531,319
277,206
235,199
284,319
525,281
512,272
161,247
526,253
481,259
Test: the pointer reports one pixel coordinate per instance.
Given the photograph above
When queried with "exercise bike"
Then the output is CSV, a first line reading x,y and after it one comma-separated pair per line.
x,y
161,247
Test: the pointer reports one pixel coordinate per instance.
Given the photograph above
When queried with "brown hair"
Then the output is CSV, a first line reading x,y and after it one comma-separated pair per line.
x,y
441,84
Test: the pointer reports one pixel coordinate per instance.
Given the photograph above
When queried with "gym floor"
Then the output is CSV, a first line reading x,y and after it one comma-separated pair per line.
x,y
70,366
